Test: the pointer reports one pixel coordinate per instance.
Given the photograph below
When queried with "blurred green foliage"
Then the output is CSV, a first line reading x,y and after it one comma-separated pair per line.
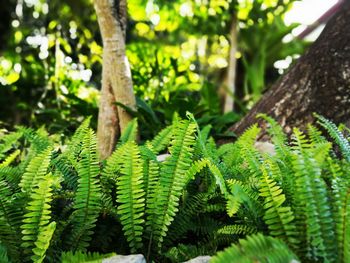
x,y
50,59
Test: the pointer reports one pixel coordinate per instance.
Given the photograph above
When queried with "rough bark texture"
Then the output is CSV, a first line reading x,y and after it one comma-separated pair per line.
x,y
116,76
227,91
319,82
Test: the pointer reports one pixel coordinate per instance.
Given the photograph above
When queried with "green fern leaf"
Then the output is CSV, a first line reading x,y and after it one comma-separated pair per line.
x,y
43,242
182,222
81,257
87,200
79,135
162,140
8,142
10,220
36,229
130,132
3,254
241,193
131,194
237,230
256,248
12,175
151,182
172,181
278,218
313,211
74,146
9,159
150,173
279,138
251,156
36,171
315,135
67,170
39,139
183,252
335,133
341,191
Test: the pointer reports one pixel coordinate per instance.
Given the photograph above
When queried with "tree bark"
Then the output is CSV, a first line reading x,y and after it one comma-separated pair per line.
x,y
116,76
318,82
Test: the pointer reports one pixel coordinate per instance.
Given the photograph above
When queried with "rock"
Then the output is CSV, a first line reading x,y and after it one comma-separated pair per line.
x,y
138,258
200,259
265,147
162,157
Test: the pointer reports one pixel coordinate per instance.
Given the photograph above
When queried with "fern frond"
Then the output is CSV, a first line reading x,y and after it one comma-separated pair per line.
x,y
315,135
67,170
335,133
278,218
35,171
334,168
3,254
151,183
183,252
300,142
203,136
321,153
112,167
74,146
237,230
219,178
12,175
36,229
219,207
131,194
251,156
84,257
182,222
38,139
80,132
162,140
241,193
341,191
129,134
196,168
87,200
109,178
10,220
256,248
278,137
233,204
8,141
225,149
43,242
206,226
9,159
150,173
313,211
172,180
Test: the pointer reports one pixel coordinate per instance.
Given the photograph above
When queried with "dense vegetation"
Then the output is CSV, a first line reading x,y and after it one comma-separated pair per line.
x,y
51,54
59,203
170,190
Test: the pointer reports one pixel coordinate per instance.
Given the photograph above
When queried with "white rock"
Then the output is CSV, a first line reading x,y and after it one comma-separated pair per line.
x,y
162,157
138,258
200,259
265,147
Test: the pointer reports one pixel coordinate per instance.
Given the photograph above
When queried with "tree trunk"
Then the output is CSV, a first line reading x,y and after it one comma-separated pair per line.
x,y
116,76
228,89
318,82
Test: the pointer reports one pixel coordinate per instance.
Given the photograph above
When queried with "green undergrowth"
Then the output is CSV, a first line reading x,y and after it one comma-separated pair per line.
x,y
60,203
